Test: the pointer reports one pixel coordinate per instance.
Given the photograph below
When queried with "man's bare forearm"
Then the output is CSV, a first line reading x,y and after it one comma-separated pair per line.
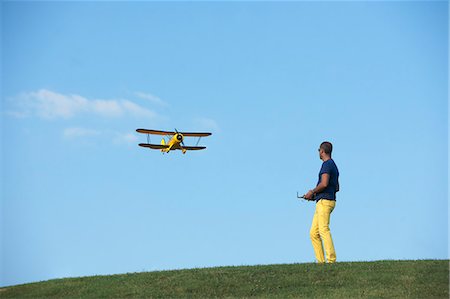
x,y
319,188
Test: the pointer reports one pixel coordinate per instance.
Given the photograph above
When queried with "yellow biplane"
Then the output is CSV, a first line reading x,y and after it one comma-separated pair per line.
x,y
175,140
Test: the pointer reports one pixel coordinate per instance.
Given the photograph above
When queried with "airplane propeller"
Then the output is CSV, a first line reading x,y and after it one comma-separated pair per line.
x,y
180,136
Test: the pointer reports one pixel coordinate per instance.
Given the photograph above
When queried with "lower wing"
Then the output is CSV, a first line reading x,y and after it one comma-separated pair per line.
x,y
154,146
194,148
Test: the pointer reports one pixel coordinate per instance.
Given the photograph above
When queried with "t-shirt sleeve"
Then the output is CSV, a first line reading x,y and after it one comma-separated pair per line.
x,y
326,168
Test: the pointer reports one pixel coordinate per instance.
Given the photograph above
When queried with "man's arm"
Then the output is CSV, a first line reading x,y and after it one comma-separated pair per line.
x,y
325,179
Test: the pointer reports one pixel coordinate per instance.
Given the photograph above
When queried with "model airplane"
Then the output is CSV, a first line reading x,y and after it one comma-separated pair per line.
x,y
175,140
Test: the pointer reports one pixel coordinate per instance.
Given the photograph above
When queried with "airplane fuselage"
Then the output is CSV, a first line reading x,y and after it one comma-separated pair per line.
x,y
174,143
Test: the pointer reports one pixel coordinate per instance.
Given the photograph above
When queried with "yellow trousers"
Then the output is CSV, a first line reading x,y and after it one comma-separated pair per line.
x,y
320,231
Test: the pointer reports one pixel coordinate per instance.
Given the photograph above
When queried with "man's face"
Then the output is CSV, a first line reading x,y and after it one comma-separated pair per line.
x,y
320,153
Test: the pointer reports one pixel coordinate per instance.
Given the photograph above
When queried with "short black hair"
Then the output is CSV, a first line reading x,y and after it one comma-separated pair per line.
x,y
327,147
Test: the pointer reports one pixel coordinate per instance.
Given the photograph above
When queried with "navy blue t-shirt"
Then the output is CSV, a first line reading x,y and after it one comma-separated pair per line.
x,y
332,170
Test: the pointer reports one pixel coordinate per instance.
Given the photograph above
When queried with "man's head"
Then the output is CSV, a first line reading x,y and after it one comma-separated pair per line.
x,y
325,150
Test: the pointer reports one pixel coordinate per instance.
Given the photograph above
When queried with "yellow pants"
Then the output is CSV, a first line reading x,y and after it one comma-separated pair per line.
x,y
320,231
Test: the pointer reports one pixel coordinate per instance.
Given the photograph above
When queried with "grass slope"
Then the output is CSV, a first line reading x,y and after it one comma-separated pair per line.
x,y
383,279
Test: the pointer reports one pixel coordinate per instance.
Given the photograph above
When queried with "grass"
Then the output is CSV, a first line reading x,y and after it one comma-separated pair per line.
x,y
382,279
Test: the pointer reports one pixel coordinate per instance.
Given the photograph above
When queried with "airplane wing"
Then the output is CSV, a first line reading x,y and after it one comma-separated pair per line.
x,y
155,132
193,134
154,146
194,148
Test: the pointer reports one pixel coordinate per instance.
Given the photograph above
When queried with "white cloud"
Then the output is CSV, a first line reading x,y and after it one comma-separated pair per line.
x,y
48,104
137,110
115,137
18,114
107,108
206,124
125,138
76,132
152,98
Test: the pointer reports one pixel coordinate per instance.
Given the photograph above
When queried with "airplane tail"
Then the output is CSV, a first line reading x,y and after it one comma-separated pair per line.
x,y
163,142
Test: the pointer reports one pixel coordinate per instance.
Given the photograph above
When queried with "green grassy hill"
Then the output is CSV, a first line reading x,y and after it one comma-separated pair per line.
x,y
382,279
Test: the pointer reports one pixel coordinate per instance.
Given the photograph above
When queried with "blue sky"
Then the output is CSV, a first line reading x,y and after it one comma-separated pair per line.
x,y
271,81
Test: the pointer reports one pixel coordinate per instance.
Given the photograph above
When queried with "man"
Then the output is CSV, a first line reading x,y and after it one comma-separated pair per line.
x,y
325,195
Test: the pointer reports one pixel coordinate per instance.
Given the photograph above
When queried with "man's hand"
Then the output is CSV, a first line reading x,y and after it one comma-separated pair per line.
x,y
309,195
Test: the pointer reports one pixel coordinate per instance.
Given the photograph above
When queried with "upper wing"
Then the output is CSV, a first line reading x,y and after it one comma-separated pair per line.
x,y
194,148
193,134
154,146
155,132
